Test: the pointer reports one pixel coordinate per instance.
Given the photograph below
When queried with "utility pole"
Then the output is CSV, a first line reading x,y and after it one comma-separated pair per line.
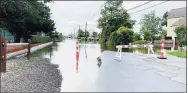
x,y
74,34
85,30
85,40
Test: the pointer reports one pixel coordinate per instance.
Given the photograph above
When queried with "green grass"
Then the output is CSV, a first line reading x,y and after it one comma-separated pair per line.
x,y
178,53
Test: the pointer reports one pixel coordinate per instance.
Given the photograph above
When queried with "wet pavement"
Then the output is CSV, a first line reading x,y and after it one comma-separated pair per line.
x,y
134,73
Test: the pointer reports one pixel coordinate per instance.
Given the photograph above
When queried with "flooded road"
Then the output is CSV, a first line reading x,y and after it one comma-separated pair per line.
x,y
132,74
64,54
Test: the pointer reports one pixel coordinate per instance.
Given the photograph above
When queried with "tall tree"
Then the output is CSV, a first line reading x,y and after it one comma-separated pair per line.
x,y
86,34
136,37
113,16
150,22
181,33
164,19
80,33
26,16
94,34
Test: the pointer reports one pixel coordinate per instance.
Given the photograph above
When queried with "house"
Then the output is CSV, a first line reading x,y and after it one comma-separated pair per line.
x,y
176,17
7,34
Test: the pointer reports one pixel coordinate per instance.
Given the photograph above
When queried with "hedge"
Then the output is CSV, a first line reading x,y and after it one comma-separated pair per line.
x,y
140,42
40,39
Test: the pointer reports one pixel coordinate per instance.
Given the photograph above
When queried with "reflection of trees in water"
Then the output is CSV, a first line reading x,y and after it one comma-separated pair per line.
x,y
46,51
99,61
55,46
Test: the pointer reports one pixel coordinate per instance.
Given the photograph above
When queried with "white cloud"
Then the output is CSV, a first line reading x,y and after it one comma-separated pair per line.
x,y
72,14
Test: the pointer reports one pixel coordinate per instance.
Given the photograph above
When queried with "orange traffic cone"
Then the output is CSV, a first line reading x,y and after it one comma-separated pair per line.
x,y
77,56
163,52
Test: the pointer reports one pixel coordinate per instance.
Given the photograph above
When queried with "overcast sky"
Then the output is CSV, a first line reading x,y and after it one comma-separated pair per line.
x,y
68,15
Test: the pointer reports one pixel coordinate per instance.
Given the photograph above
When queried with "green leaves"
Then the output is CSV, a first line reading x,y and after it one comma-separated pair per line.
x,y
150,25
95,34
113,16
181,33
23,17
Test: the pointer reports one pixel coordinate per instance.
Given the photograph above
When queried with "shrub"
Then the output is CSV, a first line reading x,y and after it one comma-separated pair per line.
x,y
40,39
140,42
181,33
111,43
125,36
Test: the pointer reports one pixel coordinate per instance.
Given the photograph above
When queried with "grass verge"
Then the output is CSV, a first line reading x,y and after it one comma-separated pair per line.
x,y
178,53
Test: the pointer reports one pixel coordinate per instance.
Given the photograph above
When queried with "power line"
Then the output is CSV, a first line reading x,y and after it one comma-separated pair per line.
x,y
149,7
139,5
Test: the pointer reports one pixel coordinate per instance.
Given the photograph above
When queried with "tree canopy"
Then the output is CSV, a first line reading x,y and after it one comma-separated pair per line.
x,y
181,33
23,17
151,25
113,16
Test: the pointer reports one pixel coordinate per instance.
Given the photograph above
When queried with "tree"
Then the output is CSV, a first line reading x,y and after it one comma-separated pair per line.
x,y
24,17
151,23
136,37
86,34
181,33
146,34
80,33
95,34
164,19
113,16
125,36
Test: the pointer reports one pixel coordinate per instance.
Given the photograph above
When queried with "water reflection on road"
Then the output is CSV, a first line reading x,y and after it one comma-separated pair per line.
x,y
64,54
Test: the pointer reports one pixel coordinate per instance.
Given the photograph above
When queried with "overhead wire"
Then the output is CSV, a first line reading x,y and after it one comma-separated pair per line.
x,y
149,7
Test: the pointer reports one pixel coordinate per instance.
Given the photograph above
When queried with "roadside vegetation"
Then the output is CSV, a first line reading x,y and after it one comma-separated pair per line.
x,y
178,53
117,26
24,18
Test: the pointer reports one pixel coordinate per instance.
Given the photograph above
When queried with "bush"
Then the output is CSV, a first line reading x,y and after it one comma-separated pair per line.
x,y
140,42
125,36
40,39
181,33
111,43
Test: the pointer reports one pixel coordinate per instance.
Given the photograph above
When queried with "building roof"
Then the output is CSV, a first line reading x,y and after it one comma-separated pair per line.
x,y
179,12
181,21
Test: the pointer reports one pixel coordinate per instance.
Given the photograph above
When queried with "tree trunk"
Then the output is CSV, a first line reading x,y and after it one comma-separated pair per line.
x,y
17,37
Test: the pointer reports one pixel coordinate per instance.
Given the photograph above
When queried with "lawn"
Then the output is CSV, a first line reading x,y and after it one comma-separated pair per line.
x,y
178,53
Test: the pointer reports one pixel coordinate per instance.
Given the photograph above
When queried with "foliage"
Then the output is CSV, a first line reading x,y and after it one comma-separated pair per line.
x,y
80,33
26,16
113,16
146,34
95,34
111,43
86,34
151,25
163,33
122,36
40,39
181,33
178,54
164,19
136,37
140,42
125,38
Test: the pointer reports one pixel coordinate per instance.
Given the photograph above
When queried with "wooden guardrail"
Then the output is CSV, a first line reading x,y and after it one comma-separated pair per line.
x,y
3,54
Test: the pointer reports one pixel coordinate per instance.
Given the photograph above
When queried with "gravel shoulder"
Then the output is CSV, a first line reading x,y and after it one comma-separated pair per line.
x,y
34,75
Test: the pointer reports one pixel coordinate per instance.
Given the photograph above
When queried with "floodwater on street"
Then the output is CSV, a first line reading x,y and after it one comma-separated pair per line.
x,y
107,75
64,54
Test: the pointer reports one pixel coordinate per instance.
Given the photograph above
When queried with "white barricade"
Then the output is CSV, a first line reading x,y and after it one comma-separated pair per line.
x,y
119,47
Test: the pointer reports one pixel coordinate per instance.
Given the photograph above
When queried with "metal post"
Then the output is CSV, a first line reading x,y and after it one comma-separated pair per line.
x,y
29,50
3,45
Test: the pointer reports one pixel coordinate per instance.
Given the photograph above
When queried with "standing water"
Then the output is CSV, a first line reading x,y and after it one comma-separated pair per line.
x,y
64,54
